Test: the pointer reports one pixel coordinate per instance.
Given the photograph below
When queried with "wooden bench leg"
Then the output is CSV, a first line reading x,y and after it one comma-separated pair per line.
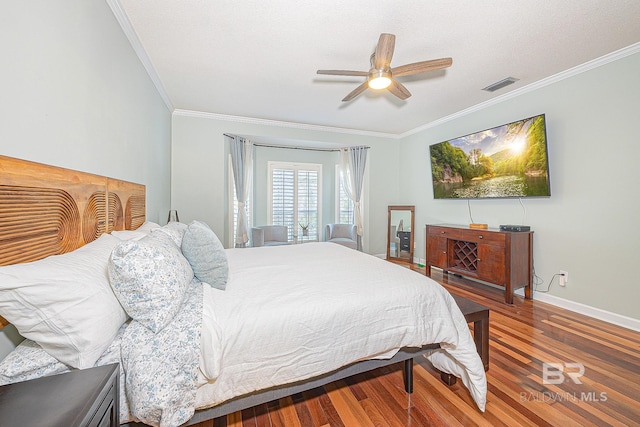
x,y
481,339
448,379
407,373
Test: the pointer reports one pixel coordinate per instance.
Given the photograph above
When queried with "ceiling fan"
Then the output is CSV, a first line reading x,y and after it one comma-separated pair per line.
x,y
381,75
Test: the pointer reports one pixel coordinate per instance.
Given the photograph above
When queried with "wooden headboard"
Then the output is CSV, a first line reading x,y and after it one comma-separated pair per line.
x,y
47,210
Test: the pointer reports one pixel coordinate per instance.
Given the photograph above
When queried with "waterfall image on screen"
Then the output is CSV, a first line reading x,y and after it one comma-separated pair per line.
x,y
504,161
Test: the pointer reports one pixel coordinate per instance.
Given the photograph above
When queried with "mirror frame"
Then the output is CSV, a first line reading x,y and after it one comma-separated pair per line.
x,y
412,209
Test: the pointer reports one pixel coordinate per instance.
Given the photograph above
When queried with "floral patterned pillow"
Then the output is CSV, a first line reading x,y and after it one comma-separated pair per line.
x,y
150,277
28,361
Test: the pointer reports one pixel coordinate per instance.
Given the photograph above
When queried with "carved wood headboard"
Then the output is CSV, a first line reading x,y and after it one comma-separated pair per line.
x,y
47,210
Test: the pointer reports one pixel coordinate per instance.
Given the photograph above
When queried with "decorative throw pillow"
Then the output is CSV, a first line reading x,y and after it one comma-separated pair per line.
x,y
64,302
205,253
175,230
150,276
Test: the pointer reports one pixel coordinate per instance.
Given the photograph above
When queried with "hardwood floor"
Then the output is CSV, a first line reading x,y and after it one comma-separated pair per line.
x,y
523,337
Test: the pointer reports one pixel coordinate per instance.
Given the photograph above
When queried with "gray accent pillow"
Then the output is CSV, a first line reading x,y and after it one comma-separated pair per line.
x,y
150,277
205,253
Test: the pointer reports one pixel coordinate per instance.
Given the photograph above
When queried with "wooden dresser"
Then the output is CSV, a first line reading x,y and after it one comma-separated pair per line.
x,y
503,258
87,397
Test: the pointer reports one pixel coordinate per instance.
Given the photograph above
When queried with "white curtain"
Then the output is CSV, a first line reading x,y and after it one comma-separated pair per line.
x,y
242,163
352,165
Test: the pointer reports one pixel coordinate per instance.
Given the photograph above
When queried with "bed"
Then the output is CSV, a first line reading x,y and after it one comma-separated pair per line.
x,y
266,323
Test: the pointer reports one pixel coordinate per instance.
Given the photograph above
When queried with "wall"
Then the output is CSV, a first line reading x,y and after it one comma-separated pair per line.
x,y
200,169
588,226
74,94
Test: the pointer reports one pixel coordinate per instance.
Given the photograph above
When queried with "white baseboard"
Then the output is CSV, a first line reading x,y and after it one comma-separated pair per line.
x,y
587,310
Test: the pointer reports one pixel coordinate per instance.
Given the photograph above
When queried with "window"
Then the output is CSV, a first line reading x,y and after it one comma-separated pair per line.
x,y
295,197
233,205
344,205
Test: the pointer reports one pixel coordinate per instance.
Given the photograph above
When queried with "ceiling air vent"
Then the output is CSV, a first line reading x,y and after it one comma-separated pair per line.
x,y
499,85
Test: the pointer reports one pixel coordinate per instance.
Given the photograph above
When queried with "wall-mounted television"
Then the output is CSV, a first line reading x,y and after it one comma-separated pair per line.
x,y
505,161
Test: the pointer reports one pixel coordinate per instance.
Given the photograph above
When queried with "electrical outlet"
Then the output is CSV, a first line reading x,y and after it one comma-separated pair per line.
x,y
564,278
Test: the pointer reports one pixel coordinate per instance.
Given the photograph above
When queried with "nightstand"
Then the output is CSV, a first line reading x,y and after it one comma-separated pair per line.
x,y
87,397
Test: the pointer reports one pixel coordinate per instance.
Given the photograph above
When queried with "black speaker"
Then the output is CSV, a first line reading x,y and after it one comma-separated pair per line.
x,y
515,228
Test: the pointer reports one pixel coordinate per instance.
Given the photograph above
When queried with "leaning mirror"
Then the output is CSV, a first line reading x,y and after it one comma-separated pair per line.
x,y
400,233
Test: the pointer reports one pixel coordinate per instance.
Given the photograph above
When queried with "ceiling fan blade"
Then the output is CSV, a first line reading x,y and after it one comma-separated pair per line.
x,y
421,67
357,91
399,90
384,51
343,73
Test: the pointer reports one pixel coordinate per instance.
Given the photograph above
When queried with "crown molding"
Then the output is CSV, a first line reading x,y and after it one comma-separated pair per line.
x,y
131,35
571,72
277,123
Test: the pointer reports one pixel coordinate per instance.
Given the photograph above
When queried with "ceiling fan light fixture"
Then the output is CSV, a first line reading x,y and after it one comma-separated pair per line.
x,y
381,75
379,79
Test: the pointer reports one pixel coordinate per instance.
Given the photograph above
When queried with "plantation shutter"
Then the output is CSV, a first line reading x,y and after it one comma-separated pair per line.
x,y
295,198
307,208
283,199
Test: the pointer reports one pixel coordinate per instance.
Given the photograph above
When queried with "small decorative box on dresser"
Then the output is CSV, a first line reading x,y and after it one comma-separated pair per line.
x,y
503,258
87,397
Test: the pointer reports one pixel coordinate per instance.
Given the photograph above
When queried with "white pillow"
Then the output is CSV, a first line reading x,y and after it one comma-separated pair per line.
x,y
128,234
136,234
147,227
64,302
150,277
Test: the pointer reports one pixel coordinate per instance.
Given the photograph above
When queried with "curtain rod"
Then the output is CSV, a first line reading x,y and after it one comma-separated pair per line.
x,y
257,144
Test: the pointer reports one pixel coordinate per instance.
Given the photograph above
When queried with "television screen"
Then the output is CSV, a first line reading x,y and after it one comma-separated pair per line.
x,y
504,161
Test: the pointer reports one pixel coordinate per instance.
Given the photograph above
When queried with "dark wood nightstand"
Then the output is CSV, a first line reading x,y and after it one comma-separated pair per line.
x,y
87,397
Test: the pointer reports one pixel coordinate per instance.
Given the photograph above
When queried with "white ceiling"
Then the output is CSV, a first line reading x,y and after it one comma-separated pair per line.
x,y
258,59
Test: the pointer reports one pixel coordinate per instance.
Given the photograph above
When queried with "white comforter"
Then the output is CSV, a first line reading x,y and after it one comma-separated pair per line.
x,y
290,313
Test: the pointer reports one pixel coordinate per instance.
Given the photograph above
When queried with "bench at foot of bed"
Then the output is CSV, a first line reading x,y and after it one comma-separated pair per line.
x,y
479,316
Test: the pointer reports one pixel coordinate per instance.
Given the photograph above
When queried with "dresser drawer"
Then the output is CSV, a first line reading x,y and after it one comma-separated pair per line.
x,y
451,233
481,236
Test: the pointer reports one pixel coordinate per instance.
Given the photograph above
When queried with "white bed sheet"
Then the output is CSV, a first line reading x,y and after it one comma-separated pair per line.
x,y
290,313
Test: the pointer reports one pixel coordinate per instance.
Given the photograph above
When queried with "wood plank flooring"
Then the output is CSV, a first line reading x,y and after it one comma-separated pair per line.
x,y
523,337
